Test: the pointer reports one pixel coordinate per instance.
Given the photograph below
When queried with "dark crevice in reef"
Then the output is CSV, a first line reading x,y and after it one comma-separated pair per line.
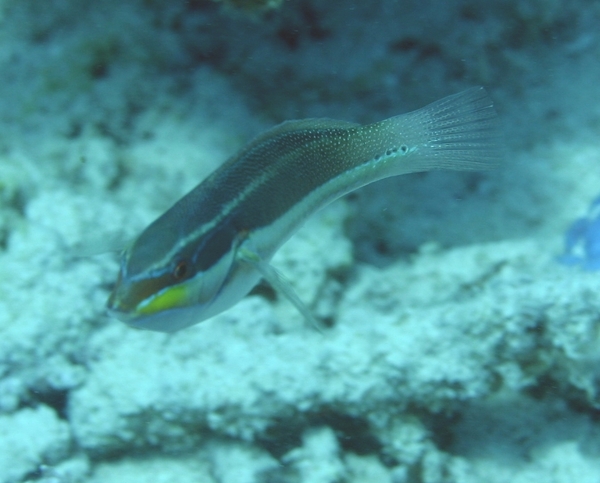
x,y
353,433
283,436
57,400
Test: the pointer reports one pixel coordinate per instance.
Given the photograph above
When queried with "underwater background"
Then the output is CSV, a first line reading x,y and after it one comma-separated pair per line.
x,y
464,341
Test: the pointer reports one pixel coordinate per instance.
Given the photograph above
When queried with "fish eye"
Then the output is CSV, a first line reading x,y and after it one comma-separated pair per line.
x,y
180,270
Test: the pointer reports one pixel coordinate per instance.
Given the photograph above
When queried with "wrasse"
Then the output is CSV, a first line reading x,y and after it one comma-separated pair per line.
x,y
207,251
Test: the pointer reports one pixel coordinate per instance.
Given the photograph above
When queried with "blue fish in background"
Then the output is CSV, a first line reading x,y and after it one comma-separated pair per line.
x,y
582,240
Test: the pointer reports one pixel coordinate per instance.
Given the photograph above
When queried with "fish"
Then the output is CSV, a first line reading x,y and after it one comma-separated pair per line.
x,y
582,240
208,250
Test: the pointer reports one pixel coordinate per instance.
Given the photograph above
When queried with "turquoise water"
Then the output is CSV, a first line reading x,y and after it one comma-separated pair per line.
x,y
457,349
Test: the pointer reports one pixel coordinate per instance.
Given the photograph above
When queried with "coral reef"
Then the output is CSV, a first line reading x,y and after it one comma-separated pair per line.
x,y
457,349
252,5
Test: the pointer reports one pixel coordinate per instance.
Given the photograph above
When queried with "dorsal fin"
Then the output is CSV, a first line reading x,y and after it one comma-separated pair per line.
x,y
302,124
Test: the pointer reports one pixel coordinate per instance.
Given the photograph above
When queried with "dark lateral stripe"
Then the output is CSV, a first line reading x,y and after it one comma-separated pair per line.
x,y
302,162
213,246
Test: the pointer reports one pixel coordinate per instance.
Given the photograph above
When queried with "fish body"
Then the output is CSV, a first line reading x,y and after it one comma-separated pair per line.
x,y
207,251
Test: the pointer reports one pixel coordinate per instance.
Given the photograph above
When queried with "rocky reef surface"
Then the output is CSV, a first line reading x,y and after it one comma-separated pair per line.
x,y
457,348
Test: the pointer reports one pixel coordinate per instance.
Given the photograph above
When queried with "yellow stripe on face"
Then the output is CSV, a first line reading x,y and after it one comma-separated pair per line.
x,y
168,298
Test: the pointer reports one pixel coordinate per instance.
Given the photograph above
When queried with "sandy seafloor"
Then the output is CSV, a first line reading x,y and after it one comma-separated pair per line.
x,y
459,350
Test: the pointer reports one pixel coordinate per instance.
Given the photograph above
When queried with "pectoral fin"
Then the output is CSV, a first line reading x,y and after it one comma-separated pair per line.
x,y
278,281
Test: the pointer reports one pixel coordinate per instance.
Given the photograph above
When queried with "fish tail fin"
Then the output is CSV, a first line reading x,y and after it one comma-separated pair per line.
x,y
458,132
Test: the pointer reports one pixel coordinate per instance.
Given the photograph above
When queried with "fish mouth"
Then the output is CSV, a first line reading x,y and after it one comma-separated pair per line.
x,y
117,307
115,311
